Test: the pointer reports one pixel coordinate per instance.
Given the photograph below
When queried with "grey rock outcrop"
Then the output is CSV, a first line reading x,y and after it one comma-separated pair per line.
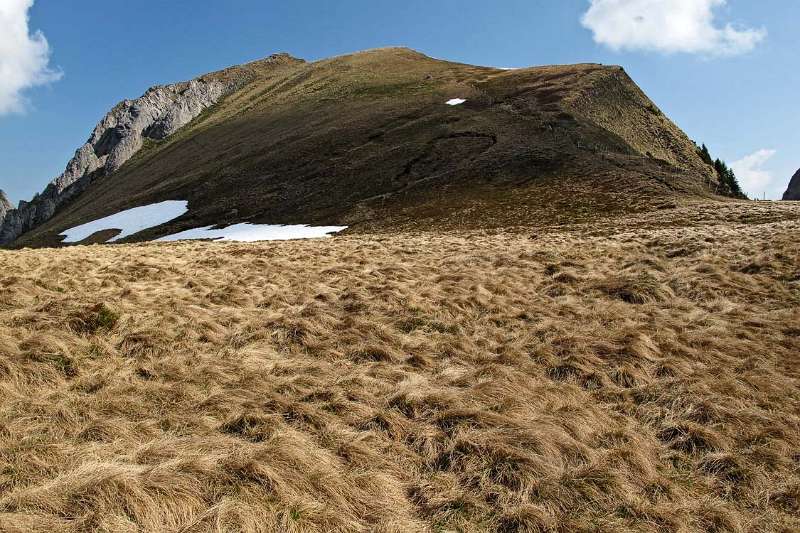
x,y
157,114
5,205
793,192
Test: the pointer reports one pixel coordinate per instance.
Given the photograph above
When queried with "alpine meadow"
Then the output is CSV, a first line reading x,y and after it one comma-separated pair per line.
x,y
386,292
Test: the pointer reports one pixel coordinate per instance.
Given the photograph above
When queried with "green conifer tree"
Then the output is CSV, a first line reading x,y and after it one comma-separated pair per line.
x,y
705,155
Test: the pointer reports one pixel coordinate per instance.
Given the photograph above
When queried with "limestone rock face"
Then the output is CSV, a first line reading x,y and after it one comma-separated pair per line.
x,y
157,114
793,192
5,206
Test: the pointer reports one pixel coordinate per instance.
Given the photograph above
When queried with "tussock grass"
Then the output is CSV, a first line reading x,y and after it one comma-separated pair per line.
x,y
638,375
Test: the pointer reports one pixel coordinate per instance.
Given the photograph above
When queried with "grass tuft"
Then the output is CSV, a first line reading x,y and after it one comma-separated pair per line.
x,y
94,319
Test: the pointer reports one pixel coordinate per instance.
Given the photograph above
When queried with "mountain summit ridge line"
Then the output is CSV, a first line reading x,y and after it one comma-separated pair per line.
x,y
366,140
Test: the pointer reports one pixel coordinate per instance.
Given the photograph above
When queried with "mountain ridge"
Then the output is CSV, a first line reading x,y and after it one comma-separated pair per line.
x,y
366,140
160,112
793,189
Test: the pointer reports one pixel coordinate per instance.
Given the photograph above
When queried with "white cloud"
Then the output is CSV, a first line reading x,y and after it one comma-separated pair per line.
x,y
753,179
24,56
667,26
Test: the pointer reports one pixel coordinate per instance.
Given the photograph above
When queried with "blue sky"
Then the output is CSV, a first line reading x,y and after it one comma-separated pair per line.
x,y
726,72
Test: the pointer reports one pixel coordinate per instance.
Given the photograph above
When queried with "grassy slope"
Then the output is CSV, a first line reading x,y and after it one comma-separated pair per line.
x,y
631,374
366,140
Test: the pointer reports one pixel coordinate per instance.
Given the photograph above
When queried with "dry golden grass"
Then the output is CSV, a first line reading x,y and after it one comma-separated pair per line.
x,y
639,374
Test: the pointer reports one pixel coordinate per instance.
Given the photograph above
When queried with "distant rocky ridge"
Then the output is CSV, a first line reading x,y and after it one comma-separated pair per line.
x,y
159,113
793,192
156,115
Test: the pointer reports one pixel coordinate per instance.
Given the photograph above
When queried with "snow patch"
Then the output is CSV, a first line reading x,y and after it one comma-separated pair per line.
x,y
130,221
255,232
455,101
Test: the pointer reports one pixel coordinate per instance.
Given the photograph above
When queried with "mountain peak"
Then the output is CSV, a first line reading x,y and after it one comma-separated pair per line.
x,y
277,58
368,140
793,191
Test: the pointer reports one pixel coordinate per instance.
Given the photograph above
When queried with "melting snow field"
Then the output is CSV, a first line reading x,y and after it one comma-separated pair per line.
x,y
255,232
130,221
137,219
455,101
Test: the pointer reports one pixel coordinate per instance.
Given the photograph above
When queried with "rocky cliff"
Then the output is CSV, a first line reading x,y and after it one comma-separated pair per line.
x,y
156,115
5,205
793,192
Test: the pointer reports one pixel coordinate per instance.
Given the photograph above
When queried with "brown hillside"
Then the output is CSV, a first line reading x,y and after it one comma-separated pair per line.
x,y
366,140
